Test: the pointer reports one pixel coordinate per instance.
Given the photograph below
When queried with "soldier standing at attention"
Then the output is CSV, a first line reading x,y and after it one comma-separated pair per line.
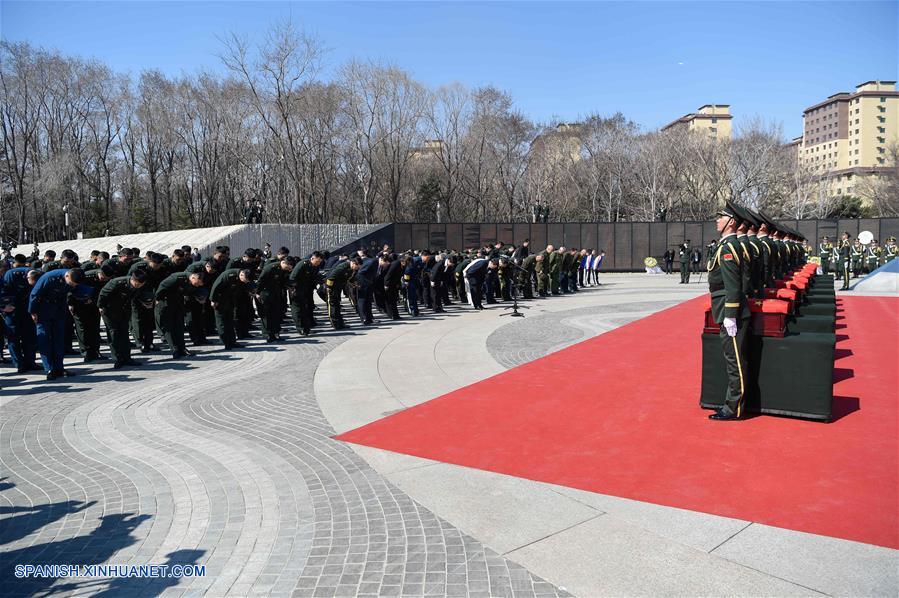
x,y
683,256
825,249
890,252
845,259
858,251
114,303
730,310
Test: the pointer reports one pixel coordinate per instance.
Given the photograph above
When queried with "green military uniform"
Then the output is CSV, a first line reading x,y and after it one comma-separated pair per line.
x,y
757,286
555,269
890,251
87,317
115,300
505,279
542,270
526,275
301,282
335,282
844,262
270,298
725,277
825,252
223,294
142,319
873,257
683,256
171,295
856,256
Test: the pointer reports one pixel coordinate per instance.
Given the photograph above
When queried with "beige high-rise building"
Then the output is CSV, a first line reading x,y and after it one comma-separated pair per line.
x,y
713,120
846,137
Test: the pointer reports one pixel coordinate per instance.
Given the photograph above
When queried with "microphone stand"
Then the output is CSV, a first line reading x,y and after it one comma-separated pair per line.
x,y
514,307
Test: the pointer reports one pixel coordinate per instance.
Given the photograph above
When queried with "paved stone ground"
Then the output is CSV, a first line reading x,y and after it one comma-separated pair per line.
x,y
532,338
224,461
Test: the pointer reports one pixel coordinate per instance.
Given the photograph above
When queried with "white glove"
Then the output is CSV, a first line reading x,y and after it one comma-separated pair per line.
x,y
730,324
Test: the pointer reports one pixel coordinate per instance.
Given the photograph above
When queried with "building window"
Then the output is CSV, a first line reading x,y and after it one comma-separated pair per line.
x,y
880,160
856,131
881,119
882,99
856,162
856,121
881,129
856,110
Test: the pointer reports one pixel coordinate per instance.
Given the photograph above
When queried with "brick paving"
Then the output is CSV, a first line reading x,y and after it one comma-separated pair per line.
x,y
227,462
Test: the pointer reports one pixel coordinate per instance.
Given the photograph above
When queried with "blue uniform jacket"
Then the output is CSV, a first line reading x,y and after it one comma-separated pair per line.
x,y
49,293
15,287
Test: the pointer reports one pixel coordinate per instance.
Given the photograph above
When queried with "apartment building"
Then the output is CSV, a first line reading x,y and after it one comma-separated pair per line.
x,y
847,136
713,120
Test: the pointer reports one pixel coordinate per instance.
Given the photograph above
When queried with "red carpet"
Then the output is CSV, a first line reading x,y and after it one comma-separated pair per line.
x,y
619,414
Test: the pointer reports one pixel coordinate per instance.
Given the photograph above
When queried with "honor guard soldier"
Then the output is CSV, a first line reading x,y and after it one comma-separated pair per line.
x,y
890,251
873,256
856,256
48,309
845,261
730,310
115,304
542,271
825,252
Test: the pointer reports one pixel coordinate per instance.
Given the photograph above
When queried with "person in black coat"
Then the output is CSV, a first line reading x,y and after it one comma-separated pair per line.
x,y
669,260
393,281
365,281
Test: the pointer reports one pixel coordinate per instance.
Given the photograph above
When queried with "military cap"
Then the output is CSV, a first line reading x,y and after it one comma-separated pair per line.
x,y
731,211
769,222
891,239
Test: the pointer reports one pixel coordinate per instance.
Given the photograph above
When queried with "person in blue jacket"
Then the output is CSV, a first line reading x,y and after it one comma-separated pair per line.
x,y
20,333
48,308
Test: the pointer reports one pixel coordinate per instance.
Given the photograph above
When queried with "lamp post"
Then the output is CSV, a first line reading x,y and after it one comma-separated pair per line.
x,y
65,211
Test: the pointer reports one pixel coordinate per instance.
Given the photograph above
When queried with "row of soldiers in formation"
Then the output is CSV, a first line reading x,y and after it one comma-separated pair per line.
x,y
48,304
861,258
752,254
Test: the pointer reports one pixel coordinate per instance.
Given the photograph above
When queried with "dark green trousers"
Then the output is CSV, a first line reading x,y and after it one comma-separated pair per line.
x,y
170,321
270,312
224,323
734,348
142,325
117,330
87,329
684,272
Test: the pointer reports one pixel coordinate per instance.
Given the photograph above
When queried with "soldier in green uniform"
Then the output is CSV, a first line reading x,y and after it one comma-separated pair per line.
x,y
301,283
825,252
542,270
142,319
890,251
844,264
334,284
222,299
115,303
555,269
171,295
270,291
505,278
730,310
683,256
526,274
856,255
87,315
872,257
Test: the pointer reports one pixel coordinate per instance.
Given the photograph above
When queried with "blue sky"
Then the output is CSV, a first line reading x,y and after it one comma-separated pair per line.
x,y
654,61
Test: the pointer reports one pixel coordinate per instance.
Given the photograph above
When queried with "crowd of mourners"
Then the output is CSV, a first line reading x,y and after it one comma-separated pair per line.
x,y
147,300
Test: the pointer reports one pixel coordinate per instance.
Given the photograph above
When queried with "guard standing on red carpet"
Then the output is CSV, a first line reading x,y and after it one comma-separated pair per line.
x,y
730,310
